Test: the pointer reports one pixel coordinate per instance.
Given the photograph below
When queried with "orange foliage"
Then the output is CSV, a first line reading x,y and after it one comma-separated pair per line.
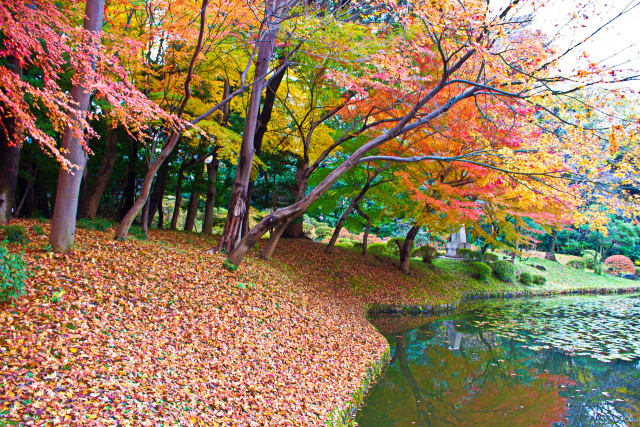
x,y
620,264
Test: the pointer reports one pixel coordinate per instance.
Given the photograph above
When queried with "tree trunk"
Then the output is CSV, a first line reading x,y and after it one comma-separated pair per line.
x,y
10,140
28,191
302,177
261,129
212,180
352,205
82,196
365,237
63,223
161,217
157,195
104,173
550,255
144,219
277,9
9,162
125,223
405,250
247,212
129,194
167,149
274,238
194,198
403,126
41,202
178,201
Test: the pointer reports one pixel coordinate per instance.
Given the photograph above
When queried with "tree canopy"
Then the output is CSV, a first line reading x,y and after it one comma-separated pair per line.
x,y
436,115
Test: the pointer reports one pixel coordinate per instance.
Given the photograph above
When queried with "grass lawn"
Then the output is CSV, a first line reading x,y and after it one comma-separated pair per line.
x,y
560,277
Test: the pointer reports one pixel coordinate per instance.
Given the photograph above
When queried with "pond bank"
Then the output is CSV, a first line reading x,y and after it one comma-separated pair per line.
x,y
157,331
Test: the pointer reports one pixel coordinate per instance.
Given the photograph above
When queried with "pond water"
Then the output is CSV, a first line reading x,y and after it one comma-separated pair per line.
x,y
565,361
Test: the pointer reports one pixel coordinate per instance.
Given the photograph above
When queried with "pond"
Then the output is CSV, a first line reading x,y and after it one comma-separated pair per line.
x,y
563,361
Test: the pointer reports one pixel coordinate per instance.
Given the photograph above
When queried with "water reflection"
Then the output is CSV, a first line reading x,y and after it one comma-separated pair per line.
x,y
470,369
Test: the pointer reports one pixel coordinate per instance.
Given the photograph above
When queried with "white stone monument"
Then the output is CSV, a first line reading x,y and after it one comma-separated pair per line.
x,y
457,241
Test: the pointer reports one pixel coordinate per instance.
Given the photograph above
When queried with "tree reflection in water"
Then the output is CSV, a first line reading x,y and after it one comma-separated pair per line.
x,y
451,372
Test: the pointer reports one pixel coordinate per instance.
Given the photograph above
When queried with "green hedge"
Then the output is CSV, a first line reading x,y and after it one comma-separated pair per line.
x,y
489,257
469,254
426,252
504,270
392,246
377,248
526,278
323,231
578,264
309,230
539,279
346,243
480,270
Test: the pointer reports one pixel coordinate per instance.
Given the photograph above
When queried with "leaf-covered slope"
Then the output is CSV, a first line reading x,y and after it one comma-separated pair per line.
x,y
158,332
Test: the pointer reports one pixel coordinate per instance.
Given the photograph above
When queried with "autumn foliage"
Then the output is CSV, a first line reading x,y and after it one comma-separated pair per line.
x,y
620,264
409,115
46,50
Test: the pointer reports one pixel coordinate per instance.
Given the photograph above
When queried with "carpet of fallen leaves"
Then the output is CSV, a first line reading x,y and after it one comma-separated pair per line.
x,y
159,332
347,275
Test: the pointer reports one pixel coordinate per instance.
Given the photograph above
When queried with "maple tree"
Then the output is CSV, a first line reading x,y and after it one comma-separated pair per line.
x,y
66,205
40,36
446,58
408,118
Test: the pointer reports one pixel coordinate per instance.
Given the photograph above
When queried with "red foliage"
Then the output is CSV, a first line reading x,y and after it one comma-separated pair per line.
x,y
44,35
620,264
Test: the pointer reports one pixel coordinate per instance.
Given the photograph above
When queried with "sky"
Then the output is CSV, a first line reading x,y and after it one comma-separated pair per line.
x,y
617,44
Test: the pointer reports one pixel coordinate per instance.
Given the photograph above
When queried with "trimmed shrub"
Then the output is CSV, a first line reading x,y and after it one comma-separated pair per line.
x,y
426,252
539,279
358,245
465,253
346,243
323,231
392,246
13,274
309,230
489,257
589,257
377,248
504,270
480,270
526,278
578,264
16,234
619,265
